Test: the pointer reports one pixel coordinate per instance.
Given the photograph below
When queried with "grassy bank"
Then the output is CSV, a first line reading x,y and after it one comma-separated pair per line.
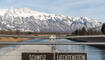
x,y
11,39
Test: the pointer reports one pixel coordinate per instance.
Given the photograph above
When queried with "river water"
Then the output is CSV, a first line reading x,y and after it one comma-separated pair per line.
x,y
93,53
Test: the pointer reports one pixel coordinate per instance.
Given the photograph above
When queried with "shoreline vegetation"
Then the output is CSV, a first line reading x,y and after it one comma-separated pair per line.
x,y
82,31
17,32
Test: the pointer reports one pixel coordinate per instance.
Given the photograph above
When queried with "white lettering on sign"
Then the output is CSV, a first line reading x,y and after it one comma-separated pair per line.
x,y
37,57
70,57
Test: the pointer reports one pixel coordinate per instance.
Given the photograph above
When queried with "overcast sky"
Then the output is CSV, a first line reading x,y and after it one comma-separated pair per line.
x,y
91,8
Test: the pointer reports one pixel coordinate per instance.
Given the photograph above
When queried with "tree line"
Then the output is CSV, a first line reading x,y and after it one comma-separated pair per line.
x,y
83,31
18,32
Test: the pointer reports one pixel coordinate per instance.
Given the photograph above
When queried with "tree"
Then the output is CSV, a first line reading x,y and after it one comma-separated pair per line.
x,y
103,28
83,31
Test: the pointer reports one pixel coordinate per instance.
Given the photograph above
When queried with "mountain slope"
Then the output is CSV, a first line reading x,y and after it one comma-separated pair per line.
x,y
25,19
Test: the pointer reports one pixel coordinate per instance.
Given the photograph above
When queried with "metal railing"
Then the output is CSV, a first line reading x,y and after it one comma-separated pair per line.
x,y
58,37
52,39
52,43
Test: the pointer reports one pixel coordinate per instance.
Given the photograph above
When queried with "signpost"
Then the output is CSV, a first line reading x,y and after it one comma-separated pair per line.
x,y
50,56
53,40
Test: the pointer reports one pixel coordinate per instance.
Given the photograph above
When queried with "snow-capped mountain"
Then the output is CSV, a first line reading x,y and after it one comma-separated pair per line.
x,y
25,19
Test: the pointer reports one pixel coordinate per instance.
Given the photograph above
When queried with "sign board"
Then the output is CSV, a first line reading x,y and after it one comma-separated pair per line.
x,y
70,56
37,56
54,56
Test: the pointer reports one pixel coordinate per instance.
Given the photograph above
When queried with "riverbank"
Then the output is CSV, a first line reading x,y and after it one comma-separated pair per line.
x,y
11,39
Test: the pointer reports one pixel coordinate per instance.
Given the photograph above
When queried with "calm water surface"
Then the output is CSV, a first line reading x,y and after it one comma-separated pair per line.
x,y
94,53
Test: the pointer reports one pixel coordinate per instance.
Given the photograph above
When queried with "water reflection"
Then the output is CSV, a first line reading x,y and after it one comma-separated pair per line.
x,y
94,53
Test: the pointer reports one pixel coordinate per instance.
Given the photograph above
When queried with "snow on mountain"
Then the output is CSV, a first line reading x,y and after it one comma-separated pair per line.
x,y
26,19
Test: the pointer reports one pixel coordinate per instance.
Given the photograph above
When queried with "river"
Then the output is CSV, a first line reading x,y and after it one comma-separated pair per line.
x,y
14,51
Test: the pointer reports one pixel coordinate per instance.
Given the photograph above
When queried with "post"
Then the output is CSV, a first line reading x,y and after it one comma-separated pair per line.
x,y
53,48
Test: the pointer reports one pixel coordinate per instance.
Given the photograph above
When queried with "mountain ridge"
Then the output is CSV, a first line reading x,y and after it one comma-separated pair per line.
x,y
25,19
